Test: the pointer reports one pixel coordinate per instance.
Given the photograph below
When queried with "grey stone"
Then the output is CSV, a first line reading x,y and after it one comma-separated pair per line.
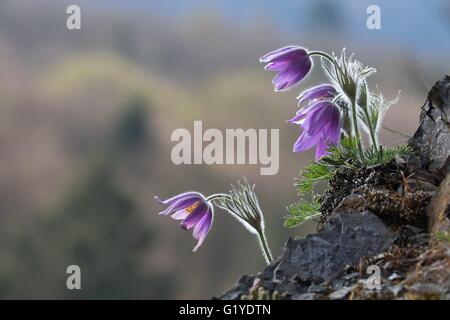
x,y
394,276
351,276
305,296
317,288
431,141
347,237
396,289
242,287
341,293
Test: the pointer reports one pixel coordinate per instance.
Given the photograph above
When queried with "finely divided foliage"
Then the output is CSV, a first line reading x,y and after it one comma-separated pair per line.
x,y
301,211
341,156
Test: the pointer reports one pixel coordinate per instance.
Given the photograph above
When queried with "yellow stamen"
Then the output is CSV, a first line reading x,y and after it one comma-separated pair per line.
x,y
192,207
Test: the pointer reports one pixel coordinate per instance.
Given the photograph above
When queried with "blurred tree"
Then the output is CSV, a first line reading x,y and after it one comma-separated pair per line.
x,y
96,227
131,131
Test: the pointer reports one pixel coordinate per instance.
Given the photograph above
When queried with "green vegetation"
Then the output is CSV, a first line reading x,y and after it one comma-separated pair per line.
x,y
301,211
345,155
442,236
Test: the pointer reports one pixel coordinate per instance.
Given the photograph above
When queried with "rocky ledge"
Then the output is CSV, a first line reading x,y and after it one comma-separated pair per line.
x,y
383,236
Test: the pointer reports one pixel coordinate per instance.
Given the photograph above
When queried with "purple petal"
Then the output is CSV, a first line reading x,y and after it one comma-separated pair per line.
x,y
303,112
199,226
291,75
195,216
319,119
305,142
276,66
281,53
297,119
333,132
321,91
203,228
180,214
310,124
321,149
178,197
181,203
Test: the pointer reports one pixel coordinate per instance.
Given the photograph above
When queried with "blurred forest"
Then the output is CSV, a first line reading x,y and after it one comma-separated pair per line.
x,y
85,124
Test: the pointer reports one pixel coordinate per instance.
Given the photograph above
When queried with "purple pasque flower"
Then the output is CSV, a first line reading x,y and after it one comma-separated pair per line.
x,y
292,63
195,212
321,124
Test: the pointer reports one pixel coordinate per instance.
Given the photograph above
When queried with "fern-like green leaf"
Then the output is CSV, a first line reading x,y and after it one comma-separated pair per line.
x,y
315,172
302,211
344,155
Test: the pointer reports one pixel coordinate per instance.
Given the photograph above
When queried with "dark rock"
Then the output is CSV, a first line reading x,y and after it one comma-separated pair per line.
x,y
242,287
431,141
341,293
395,290
337,283
407,234
288,287
394,276
346,238
439,209
317,288
305,296
351,276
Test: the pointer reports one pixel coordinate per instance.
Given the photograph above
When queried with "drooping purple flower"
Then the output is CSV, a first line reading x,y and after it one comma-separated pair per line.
x,y
292,63
321,124
195,212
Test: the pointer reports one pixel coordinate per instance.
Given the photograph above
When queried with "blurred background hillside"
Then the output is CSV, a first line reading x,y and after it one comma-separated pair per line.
x,y
86,118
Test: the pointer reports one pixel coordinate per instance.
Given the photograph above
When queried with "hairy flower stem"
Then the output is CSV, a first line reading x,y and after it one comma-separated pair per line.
x,y
328,57
373,136
352,100
257,228
322,54
217,196
264,246
355,127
